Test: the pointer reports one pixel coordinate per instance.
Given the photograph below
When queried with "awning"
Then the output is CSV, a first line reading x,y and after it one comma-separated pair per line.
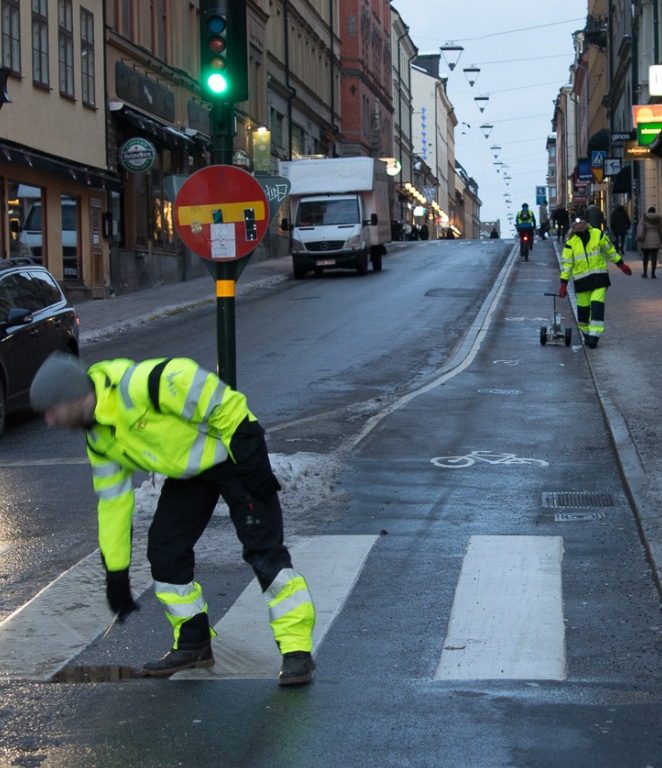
x,y
622,183
21,157
599,142
163,133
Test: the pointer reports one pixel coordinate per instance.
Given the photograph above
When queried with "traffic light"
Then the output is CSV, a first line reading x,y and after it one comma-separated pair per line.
x,y
223,50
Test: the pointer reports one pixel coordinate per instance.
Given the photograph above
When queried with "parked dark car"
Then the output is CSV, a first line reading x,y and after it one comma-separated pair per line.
x,y
35,320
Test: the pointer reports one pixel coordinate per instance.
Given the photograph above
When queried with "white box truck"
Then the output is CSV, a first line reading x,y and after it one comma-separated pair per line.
x,y
338,213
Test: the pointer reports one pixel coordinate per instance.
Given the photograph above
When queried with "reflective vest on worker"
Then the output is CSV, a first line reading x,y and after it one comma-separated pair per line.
x,y
587,263
135,431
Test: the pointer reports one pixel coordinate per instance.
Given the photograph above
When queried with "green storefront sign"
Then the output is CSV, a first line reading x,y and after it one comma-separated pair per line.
x,y
647,132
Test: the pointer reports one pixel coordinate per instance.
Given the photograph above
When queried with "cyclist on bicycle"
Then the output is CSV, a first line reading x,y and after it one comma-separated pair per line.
x,y
526,222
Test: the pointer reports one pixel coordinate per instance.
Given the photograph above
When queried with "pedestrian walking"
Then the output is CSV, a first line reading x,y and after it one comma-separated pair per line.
x,y
561,219
543,219
594,217
619,224
424,232
172,417
494,234
584,258
649,238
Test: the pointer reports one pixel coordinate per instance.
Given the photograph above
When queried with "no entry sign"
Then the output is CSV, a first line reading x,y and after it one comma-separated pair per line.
x,y
221,213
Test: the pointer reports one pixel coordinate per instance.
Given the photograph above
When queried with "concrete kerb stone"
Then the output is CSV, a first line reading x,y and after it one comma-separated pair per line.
x,y
630,464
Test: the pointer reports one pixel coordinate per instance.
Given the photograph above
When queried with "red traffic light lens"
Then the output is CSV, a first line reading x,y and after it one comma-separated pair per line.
x,y
217,45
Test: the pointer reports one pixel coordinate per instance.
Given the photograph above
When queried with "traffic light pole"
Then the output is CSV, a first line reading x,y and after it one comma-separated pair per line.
x,y
222,134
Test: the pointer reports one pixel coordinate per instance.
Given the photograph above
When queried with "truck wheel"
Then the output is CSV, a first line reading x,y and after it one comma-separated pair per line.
x,y
299,272
377,263
362,264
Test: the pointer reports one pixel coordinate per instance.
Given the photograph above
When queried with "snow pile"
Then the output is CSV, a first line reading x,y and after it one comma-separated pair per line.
x,y
307,480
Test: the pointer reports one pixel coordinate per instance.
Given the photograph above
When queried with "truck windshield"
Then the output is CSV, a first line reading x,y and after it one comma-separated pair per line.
x,y
318,213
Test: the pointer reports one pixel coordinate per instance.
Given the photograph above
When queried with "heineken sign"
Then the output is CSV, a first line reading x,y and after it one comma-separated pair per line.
x,y
137,155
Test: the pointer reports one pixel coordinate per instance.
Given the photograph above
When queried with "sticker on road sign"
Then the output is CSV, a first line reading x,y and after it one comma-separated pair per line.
x,y
223,245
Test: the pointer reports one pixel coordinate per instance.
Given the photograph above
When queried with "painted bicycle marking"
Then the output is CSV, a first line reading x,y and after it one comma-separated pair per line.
x,y
489,457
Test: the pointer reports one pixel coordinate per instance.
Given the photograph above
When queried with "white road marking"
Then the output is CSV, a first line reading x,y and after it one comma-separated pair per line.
x,y
245,646
507,615
42,636
59,622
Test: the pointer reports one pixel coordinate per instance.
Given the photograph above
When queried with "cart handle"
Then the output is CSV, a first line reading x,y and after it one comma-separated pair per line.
x,y
553,294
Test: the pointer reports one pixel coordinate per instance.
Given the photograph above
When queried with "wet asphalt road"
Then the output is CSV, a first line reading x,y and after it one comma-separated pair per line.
x,y
439,378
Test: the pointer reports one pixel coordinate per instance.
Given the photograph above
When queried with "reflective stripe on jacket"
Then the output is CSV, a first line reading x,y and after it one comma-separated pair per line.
x,y
587,265
187,431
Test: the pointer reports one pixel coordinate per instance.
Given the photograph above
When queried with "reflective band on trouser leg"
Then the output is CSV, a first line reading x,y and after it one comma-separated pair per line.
x,y
596,324
181,602
291,611
583,310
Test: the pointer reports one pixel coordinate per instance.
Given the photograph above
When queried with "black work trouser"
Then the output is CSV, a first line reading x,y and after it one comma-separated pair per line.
x,y
649,254
183,512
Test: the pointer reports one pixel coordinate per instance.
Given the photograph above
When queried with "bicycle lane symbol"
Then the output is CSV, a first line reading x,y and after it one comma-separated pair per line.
x,y
489,457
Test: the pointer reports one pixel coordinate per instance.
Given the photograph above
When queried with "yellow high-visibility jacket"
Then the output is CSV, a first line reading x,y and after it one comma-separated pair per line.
x,y
166,415
587,265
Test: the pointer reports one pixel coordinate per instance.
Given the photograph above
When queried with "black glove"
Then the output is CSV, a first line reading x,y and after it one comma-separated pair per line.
x,y
252,461
118,593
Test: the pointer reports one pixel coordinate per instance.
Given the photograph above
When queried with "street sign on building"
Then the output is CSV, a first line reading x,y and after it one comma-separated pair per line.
x,y
221,213
541,195
632,151
612,166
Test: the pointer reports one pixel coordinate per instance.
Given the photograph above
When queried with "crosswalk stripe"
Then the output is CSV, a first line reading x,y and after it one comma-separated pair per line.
x,y
42,636
507,615
59,622
244,646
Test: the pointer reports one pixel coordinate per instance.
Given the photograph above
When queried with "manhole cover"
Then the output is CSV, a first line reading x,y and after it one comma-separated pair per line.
x,y
576,499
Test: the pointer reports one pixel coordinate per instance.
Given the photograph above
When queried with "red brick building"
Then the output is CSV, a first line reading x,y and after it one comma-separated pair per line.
x,y
366,86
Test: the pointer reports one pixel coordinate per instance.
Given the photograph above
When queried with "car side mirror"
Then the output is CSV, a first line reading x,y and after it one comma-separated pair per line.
x,y
19,316
373,219
285,224
14,226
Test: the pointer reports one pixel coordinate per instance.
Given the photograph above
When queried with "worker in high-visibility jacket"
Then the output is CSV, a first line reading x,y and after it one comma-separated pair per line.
x,y
584,258
172,417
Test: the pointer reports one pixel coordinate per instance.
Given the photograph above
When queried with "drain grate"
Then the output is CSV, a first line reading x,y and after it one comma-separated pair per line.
x,y
96,674
576,500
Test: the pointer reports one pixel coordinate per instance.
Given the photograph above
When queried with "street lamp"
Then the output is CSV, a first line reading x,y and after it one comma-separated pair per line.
x,y
451,54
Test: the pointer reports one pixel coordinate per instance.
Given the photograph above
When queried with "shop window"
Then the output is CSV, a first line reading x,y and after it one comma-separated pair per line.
x,y
11,35
88,84
65,23
40,42
70,237
25,220
161,224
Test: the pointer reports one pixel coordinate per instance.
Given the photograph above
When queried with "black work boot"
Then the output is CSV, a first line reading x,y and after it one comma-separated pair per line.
x,y
592,342
297,668
178,659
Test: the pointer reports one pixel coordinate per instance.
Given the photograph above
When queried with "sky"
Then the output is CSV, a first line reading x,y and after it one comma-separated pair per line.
x,y
524,52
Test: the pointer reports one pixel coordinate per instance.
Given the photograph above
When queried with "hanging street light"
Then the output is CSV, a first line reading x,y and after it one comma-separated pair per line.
x,y
495,150
472,74
481,102
451,54
486,128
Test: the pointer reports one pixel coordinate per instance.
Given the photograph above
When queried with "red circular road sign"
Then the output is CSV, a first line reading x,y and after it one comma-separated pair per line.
x,y
221,213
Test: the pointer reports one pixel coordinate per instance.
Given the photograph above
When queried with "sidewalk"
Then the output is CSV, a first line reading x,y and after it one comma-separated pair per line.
x,y
626,371
626,367
103,317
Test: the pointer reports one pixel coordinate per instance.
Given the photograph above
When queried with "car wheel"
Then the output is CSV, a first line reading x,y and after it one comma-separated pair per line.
x,y
362,263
